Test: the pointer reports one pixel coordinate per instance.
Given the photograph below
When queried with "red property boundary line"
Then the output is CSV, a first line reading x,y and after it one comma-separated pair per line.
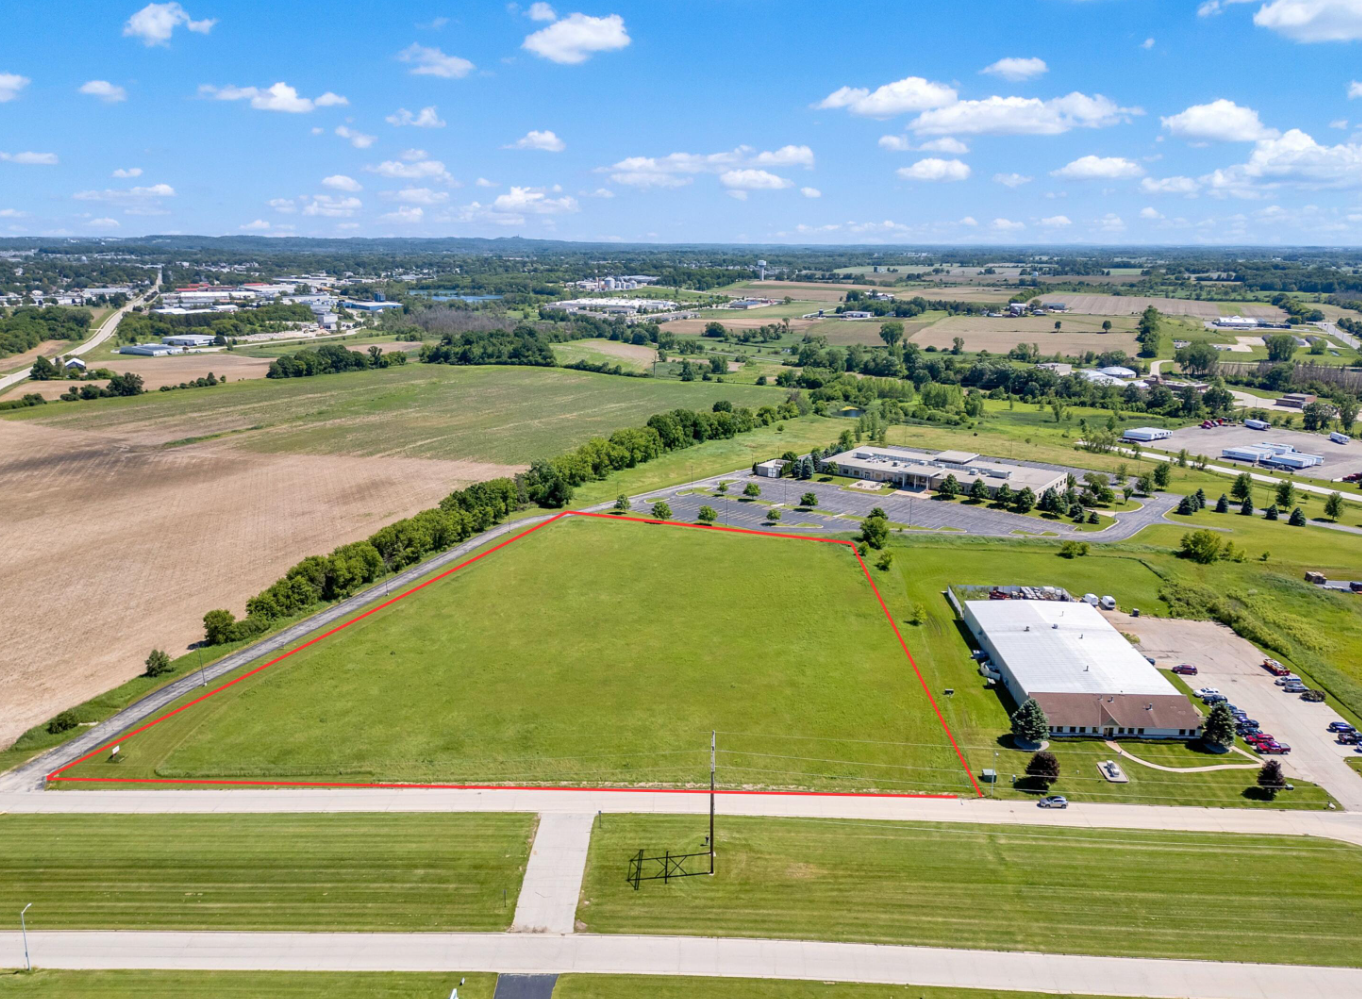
x,y
56,775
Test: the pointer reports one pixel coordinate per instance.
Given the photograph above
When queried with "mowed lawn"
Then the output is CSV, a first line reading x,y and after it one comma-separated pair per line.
x,y
510,415
369,871
589,652
1077,891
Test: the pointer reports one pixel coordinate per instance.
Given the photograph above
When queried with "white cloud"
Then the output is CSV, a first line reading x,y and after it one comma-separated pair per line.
x,y
1016,69
286,206
103,89
675,170
156,22
357,139
577,37
945,145
1006,225
30,158
895,143
750,179
740,195
1111,223
541,12
1293,158
811,192
933,168
533,200
1148,43
1056,222
1011,179
602,192
425,118
412,155
406,215
418,196
1169,185
256,226
1339,123
330,206
1354,90
484,182
1150,213
279,97
968,220
418,169
1099,168
10,85
428,61
1312,20
1218,121
104,223
340,182
126,172
912,93
1022,116
135,200
545,141
12,213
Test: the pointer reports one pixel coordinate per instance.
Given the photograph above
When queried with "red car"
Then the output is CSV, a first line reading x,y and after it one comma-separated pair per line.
x,y
1275,668
1185,670
1277,748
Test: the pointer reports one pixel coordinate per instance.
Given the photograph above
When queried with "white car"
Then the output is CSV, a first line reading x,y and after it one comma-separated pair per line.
x,y
1207,692
1282,681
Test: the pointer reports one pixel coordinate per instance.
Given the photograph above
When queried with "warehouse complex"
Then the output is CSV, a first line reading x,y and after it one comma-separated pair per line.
x,y
917,470
1082,672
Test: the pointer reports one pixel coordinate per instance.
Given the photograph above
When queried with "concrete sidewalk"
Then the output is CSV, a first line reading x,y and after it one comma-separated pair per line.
x,y
699,956
553,876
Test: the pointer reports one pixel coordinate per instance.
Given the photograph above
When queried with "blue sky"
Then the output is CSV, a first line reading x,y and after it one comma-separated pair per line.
x,y
1030,121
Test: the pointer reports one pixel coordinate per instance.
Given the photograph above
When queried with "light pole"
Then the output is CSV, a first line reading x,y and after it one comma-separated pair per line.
x,y
203,679
23,928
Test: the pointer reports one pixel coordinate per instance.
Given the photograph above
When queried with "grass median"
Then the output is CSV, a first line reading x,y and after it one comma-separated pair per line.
x,y
1077,891
374,872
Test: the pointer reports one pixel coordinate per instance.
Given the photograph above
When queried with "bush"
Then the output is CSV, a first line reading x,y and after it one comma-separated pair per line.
x,y
875,531
661,511
1043,767
1073,549
885,560
64,722
808,500
158,663
708,515
622,504
772,515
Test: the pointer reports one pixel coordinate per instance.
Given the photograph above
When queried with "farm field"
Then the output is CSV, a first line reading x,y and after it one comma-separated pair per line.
x,y
158,536
1078,334
741,321
158,371
1043,889
364,871
548,662
631,357
510,415
1131,305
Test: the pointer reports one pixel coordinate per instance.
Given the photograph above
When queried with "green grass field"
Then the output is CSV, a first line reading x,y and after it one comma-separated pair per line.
x,y
591,352
510,415
364,871
589,652
1117,893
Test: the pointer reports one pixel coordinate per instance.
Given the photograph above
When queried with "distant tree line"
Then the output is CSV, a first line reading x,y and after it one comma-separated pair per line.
x,y
331,358
26,327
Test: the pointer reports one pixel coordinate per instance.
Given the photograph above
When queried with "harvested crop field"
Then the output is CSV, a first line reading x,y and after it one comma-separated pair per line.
x,y
629,355
844,332
109,549
809,291
739,321
1078,334
158,371
1123,305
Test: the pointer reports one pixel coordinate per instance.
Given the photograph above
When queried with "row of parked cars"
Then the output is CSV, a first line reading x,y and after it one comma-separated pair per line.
x,y
1346,735
1245,727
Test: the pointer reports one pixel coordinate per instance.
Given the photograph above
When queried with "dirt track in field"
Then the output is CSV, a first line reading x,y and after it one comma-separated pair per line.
x,y
109,549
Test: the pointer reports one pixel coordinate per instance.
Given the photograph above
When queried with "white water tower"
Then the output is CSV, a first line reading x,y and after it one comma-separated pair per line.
x,y
761,270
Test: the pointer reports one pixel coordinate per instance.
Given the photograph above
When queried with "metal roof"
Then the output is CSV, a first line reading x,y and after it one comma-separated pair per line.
x,y
1065,648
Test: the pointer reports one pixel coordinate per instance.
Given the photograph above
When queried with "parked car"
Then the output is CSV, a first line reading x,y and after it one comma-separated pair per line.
x,y
1277,749
1185,670
1286,678
1349,739
1275,668
1203,691
1295,688
1340,726
1053,801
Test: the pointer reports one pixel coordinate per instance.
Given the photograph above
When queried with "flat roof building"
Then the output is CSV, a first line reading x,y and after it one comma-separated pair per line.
x,y
188,340
1082,672
1146,434
927,470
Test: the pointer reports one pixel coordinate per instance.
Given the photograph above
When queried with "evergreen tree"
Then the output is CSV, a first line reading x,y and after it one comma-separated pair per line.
x,y
1218,730
1247,507
1201,499
1297,518
1029,724
1187,506
1271,513
1222,505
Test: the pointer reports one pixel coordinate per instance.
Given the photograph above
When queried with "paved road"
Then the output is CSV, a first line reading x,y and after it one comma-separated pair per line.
x,y
700,956
1268,480
106,330
29,776
1328,824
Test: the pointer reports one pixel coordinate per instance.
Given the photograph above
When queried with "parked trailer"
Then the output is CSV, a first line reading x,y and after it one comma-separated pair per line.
x,y
1257,424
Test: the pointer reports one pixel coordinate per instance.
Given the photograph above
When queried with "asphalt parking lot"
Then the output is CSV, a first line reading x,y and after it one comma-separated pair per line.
x,y
1234,667
1339,459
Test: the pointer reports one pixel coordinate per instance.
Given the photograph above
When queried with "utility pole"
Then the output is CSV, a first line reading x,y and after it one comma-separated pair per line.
x,y
713,741
203,680
23,927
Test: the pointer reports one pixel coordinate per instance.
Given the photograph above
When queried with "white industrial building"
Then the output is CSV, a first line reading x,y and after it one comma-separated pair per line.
x,y
189,340
919,470
1272,455
1082,672
1145,435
